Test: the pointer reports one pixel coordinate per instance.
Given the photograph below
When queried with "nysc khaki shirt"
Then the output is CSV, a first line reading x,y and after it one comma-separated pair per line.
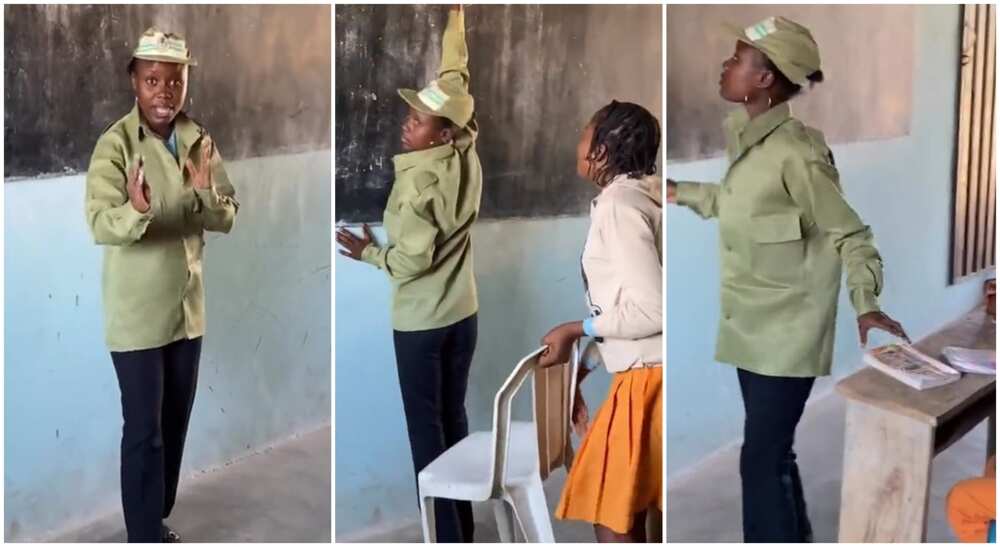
x,y
152,282
433,204
785,232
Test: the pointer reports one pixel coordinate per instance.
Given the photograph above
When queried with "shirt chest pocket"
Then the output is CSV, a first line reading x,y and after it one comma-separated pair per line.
x,y
778,250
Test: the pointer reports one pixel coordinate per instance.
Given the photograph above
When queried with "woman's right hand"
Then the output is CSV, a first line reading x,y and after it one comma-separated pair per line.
x,y
881,321
138,190
671,191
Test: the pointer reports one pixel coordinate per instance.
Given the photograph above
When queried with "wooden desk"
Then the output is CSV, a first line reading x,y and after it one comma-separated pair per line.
x,y
894,432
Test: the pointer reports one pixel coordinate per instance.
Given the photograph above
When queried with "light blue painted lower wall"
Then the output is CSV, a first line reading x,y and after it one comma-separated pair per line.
x,y
265,367
528,274
901,187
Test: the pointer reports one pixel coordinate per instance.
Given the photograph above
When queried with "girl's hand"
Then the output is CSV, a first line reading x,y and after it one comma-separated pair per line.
x,y
201,176
138,190
354,245
560,341
881,321
671,191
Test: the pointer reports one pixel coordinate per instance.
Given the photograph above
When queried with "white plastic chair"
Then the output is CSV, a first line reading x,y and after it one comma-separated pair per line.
x,y
508,464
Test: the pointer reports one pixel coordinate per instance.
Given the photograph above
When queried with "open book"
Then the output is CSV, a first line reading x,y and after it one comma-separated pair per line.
x,y
906,364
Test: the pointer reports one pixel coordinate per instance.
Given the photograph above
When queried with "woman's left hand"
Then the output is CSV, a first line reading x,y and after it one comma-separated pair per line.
x,y
201,175
354,245
560,341
881,321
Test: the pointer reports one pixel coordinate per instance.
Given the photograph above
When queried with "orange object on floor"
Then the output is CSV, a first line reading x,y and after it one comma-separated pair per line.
x,y
618,470
971,506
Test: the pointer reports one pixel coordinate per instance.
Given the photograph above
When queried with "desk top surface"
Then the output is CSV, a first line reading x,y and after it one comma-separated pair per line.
x,y
868,385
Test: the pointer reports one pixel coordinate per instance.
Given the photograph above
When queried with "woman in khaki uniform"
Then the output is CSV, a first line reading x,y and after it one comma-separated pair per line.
x,y
785,231
155,184
429,216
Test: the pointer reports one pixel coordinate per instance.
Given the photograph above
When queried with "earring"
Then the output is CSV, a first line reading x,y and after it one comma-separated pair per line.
x,y
769,102
746,99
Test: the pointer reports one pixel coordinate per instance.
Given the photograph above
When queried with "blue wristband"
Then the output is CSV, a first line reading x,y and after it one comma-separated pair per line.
x,y
588,327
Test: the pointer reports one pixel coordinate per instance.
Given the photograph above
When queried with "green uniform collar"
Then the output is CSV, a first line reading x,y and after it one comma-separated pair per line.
x,y
187,131
742,132
412,159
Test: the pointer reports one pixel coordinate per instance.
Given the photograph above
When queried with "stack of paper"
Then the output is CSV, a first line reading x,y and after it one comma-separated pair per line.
x,y
975,361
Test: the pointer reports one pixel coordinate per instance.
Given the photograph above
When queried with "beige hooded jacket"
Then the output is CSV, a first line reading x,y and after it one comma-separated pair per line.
x,y
623,272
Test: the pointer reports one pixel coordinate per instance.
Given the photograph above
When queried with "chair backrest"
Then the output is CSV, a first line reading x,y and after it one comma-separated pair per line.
x,y
553,389
501,416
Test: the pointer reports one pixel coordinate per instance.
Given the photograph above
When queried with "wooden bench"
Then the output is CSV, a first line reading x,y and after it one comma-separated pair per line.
x,y
893,433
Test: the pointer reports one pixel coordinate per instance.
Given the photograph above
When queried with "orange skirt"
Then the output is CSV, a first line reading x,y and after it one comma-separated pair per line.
x,y
618,470
972,504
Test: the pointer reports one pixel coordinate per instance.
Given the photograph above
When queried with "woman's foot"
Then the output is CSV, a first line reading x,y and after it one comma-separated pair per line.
x,y
168,535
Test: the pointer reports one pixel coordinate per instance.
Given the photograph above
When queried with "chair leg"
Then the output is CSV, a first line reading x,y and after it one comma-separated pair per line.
x,y
532,513
505,520
427,519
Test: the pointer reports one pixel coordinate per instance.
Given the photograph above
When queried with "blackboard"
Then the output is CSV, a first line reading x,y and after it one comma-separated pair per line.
x,y
538,75
867,55
262,84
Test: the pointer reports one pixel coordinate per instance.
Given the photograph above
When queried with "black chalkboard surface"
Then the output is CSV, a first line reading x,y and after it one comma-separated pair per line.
x,y
262,84
538,74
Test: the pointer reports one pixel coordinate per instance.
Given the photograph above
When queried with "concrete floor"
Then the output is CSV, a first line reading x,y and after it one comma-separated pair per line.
x,y
703,502
279,495
486,529
565,531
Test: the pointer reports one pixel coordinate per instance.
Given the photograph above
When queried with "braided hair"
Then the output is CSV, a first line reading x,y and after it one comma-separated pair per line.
x,y
627,139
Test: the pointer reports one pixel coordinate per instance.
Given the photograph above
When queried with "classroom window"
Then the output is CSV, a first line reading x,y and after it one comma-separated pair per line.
x,y
973,226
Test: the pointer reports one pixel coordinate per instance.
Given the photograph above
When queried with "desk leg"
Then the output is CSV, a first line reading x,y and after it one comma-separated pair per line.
x,y
887,471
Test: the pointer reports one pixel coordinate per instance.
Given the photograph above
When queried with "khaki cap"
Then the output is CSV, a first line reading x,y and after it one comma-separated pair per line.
x,y
166,47
441,98
789,45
